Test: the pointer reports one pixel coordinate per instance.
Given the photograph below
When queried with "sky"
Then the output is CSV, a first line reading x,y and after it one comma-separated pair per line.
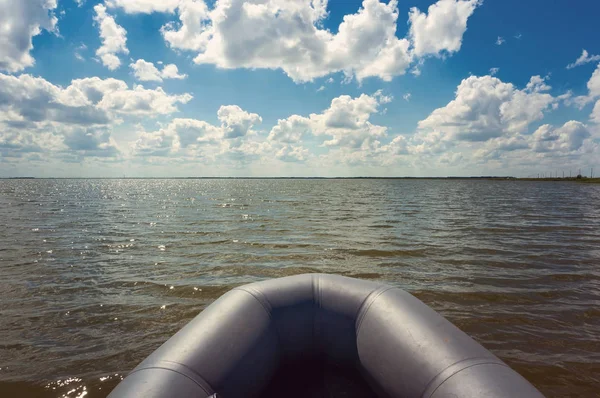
x,y
193,88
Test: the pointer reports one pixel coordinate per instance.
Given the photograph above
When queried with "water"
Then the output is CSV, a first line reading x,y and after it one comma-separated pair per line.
x,y
96,274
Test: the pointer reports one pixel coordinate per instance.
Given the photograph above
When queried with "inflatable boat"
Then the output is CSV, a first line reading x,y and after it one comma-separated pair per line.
x,y
322,335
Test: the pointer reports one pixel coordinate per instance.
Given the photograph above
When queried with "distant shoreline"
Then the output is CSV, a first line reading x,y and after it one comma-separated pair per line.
x,y
495,178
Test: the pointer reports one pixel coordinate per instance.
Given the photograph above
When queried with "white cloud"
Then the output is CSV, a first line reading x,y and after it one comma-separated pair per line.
x,y
285,35
442,28
596,113
30,100
142,102
146,71
143,6
583,59
78,51
500,41
416,69
80,115
290,130
344,128
485,107
510,154
194,29
537,84
191,136
570,137
83,142
21,21
593,86
157,143
171,71
320,89
113,36
398,146
407,96
235,122
292,153
507,144
494,71
346,123
487,126
288,35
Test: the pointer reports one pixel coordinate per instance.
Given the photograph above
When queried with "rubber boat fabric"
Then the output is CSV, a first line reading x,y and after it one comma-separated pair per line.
x,y
318,335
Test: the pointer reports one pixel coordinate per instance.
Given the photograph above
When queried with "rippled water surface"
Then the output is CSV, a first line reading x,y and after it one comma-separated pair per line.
x,y
96,274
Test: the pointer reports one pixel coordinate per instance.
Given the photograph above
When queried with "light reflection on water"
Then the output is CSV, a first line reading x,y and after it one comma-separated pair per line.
x,y
95,274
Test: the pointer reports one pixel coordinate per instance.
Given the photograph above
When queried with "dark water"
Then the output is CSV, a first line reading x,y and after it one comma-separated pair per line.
x,y
96,274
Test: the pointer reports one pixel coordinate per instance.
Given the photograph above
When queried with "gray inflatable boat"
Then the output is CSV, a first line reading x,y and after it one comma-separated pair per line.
x,y
322,336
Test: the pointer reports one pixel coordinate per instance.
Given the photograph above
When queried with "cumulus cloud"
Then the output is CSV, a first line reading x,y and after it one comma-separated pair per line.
x,y
80,115
568,138
194,29
500,41
29,100
593,86
596,113
485,108
236,122
143,6
194,136
14,143
292,153
547,142
440,30
344,128
345,123
113,36
21,21
488,124
67,141
97,142
583,59
290,130
288,35
146,71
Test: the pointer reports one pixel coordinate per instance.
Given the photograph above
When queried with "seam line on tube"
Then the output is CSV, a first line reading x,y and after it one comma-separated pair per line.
x,y
258,296
454,369
264,302
367,303
203,387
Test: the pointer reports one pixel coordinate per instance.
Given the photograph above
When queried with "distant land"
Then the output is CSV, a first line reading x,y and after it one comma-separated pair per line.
x,y
500,178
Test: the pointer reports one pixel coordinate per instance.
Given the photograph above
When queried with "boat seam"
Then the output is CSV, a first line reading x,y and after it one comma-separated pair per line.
x,y
210,392
487,362
364,307
268,307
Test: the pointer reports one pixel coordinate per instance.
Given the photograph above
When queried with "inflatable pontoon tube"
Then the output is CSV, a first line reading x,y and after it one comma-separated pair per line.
x,y
322,335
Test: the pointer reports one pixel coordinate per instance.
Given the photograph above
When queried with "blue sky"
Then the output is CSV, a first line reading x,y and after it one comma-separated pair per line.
x,y
298,88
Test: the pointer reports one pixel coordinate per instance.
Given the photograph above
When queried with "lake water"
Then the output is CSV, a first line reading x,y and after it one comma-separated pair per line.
x,y
96,274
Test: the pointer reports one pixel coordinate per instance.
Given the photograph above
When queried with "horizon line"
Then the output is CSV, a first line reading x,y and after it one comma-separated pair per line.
x,y
261,178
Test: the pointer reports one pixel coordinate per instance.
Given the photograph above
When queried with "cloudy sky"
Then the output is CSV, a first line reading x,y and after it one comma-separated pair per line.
x,y
298,87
